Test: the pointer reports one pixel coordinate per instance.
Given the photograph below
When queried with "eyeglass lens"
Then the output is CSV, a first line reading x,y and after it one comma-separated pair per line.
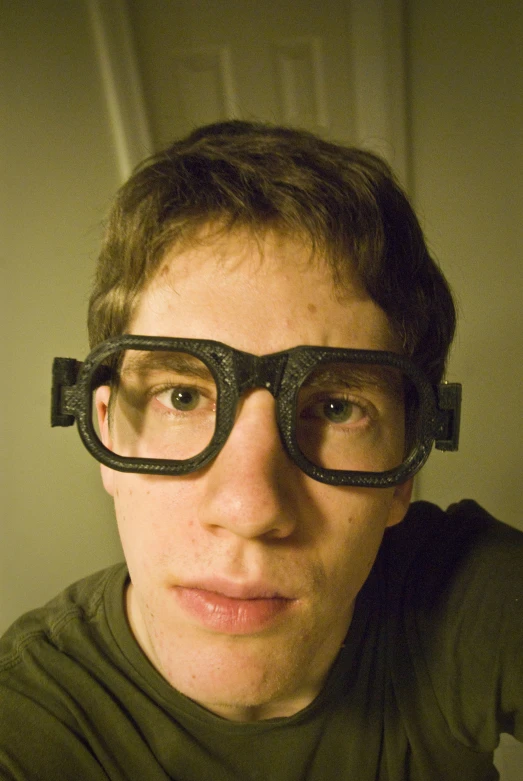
x,y
353,417
163,405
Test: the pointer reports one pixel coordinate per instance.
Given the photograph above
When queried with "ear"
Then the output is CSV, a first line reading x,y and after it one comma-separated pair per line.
x,y
400,502
102,396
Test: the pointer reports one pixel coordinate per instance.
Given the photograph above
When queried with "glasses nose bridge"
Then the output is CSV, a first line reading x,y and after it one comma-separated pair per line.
x,y
260,371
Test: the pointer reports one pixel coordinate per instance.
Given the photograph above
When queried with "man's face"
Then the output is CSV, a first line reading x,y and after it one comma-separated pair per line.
x,y
244,574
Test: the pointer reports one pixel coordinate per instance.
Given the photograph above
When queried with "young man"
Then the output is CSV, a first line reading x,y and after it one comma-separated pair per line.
x,y
269,333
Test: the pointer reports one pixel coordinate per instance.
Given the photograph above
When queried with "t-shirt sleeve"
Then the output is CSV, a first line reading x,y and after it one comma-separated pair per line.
x,y
46,693
466,585
35,744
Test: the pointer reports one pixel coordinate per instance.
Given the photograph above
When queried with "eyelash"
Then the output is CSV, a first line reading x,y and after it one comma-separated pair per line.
x,y
153,393
368,411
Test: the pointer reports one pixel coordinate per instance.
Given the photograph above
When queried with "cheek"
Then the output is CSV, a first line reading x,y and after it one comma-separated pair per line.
x,y
356,520
158,525
150,517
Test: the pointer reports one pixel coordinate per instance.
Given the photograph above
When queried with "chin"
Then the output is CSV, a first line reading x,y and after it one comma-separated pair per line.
x,y
250,697
241,675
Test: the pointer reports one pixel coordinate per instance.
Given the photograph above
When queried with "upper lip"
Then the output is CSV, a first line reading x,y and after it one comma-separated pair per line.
x,y
236,590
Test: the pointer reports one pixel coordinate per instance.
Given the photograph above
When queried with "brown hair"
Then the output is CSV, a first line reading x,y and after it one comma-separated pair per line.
x,y
346,201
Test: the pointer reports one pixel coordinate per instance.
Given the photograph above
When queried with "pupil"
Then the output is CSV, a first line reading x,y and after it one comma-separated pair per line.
x,y
337,410
184,399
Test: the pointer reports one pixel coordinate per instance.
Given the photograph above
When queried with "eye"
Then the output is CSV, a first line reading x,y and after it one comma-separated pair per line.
x,y
336,410
340,410
180,398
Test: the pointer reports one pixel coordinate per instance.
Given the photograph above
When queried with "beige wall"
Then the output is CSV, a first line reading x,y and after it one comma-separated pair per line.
x,y
59,169
466,82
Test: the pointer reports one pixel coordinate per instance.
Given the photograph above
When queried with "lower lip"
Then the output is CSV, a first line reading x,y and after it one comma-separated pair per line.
x,y
231,616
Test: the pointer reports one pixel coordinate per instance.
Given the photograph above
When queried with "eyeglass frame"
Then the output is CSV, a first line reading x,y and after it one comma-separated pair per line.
x,y
234,372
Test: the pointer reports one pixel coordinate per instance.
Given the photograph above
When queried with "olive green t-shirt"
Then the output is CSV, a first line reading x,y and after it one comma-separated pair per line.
x,y
431,672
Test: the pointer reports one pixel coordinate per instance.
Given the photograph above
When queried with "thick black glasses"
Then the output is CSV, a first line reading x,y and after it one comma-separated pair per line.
x,y
346,417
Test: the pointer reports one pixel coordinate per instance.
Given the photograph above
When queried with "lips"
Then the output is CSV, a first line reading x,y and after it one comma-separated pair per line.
x,y
231,608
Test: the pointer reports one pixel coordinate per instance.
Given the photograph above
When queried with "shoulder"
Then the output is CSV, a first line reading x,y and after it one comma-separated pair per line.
x,y
49,660
76,605
440,547
43,653
459,570
456,581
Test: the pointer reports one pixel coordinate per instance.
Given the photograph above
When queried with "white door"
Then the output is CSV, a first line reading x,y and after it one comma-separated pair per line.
x,y
334,67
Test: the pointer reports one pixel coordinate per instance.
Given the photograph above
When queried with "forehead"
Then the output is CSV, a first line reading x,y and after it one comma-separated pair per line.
x,y
260,294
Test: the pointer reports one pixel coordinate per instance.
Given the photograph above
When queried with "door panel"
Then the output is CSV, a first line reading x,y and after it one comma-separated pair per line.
x,y
333,67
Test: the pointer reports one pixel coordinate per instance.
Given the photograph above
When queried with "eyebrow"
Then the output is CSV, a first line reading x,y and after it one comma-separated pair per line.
x,y
181,363
382,378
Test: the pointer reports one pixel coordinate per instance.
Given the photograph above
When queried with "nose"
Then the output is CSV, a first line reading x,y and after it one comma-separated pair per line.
x,y
248,485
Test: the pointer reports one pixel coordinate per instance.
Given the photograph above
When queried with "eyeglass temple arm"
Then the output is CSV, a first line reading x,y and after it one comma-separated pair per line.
x,y
64,391
446,435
